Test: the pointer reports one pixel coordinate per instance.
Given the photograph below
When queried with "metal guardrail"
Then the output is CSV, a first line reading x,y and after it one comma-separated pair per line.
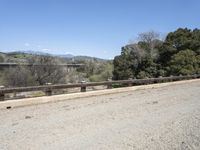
x,y
49,88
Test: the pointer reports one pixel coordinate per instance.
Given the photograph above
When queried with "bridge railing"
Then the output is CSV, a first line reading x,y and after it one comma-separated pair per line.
x,y
48,89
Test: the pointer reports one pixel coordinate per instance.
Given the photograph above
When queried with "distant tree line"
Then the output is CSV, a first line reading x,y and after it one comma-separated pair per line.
x,y
46,69
178,54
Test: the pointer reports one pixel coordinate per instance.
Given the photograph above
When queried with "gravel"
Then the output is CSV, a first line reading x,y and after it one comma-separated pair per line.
x,y
157,118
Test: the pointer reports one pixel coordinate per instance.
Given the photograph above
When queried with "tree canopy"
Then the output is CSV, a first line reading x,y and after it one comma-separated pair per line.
x,y
178,54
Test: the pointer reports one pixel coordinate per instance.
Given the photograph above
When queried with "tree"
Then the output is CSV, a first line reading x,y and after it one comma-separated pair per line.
x,y
147,68
18,77
195,43
149,42
178,54
138,60
184,62
46,69
179,40
103,73
41,70
1,59
123,65
175,42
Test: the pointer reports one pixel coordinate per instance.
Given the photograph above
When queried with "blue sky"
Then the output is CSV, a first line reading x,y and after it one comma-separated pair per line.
x,y
89,27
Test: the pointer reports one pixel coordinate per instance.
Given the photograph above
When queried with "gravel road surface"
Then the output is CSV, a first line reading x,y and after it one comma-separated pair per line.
x,y
158,118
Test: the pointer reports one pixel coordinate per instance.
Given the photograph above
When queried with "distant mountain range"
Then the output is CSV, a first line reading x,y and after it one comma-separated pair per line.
x,y
28,52
40,53
68,57
65,56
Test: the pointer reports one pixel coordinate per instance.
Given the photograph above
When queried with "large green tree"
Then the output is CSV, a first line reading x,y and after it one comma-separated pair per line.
x,y
185,62
122,65
138,60
179,40
178,54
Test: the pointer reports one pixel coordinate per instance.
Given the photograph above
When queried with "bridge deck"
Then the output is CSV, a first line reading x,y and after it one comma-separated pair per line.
x,y
158,118
6,65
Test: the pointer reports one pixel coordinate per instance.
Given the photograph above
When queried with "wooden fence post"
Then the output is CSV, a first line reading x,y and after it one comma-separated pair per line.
x,y
83,87
2,95
109,85
130,83
48,91
171,78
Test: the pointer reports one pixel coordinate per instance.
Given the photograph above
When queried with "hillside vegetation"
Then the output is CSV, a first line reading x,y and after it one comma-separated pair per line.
x,y
94,69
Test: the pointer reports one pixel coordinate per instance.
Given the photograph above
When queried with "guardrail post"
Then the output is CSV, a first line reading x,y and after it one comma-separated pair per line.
x,y
171,78
109,85
48,92
194,76
2,95
83,87
130,83
160,79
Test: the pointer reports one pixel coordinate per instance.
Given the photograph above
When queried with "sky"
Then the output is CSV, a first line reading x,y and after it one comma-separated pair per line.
x,y
96,28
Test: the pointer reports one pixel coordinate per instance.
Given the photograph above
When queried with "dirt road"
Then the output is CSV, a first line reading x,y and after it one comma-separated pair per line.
x,y
158,118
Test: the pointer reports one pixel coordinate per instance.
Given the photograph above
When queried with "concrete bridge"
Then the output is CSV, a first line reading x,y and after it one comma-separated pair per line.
x,y
158,116
13,65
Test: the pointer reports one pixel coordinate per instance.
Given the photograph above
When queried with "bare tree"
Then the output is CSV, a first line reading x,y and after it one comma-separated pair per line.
x,y
19,76
46,69
148,37
150,40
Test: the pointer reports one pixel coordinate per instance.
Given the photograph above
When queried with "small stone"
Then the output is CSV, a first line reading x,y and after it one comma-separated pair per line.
x,y
155,102
28,117
14,124
8,107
